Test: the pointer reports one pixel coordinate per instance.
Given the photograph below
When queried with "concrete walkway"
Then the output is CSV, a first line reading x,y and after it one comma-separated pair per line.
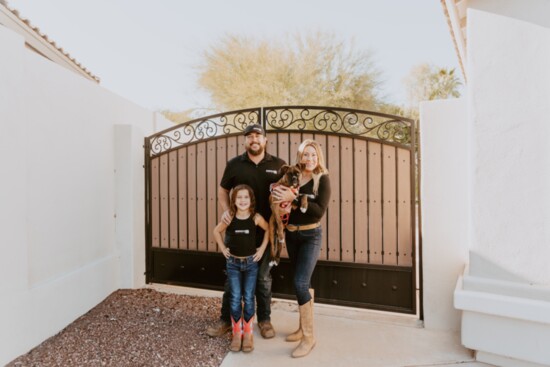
x,y
349,337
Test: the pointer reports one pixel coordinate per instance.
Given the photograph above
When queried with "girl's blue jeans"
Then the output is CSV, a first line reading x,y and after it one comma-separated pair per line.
x,y
241,276
303,248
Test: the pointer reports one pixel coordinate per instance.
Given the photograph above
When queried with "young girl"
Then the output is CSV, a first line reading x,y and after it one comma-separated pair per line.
x,y
242,262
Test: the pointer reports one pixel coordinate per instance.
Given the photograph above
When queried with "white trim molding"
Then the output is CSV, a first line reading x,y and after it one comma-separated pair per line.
x,y
505,322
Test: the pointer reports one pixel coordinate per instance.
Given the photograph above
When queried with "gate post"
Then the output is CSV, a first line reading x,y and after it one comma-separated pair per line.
x,y
263,118
148,237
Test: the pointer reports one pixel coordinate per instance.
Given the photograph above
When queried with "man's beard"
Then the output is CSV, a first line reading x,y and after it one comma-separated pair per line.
x,y
255,152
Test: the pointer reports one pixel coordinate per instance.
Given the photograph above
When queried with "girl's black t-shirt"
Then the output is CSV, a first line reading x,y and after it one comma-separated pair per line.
x,y
242,236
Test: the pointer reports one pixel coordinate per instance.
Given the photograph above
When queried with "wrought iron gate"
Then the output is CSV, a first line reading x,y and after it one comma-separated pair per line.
x,y
368,256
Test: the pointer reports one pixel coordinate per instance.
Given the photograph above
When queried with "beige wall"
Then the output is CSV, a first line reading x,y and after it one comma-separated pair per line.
x,y
531,11
504,294
509,132
72,195
444,199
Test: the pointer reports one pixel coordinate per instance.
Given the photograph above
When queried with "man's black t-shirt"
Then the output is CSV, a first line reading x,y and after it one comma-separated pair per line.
x,y
241,170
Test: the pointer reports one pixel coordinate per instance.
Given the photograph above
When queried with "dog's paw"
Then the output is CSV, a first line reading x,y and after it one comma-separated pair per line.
x,y
303,210
273,263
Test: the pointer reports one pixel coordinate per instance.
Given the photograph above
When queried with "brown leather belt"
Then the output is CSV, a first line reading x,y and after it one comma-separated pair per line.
x,y
240,257
305,227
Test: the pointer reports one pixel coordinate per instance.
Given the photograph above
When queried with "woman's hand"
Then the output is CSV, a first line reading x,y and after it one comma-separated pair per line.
x,y
259,253
226,252
282,193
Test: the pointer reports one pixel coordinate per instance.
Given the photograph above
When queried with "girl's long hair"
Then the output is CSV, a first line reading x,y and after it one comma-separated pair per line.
x,y
233,198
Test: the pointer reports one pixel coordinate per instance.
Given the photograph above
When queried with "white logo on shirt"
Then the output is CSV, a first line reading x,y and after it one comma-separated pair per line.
x,y
245,231
271,171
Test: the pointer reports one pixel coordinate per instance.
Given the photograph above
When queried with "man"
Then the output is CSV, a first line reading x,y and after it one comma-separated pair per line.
x,y
257,169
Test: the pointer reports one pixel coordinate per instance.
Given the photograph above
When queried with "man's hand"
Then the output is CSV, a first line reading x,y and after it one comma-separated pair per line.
x,y
227,217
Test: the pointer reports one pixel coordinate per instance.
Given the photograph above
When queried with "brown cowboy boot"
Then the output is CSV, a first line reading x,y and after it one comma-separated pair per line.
x,y
308,340
248,338
266,329
218,329
297,335
236,342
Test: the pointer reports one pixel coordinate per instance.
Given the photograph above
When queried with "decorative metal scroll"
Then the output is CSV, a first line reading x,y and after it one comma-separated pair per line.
x,y
226,123
373,125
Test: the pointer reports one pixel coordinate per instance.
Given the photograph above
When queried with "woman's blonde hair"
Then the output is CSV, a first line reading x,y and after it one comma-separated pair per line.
x,y
321,168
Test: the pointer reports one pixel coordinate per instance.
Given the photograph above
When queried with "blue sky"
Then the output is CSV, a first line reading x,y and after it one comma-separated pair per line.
x,y
147,51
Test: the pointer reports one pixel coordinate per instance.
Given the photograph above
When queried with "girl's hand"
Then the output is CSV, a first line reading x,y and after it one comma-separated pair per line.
x,y
258,255
226,252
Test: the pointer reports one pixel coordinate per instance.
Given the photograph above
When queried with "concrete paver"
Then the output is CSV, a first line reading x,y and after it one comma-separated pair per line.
x,y
346,342
350,337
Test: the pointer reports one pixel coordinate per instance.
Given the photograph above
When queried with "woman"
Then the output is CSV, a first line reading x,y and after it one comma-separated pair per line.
x,y
303,237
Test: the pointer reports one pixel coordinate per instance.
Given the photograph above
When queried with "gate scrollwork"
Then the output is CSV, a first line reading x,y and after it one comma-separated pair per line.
x,y
341,121
203,128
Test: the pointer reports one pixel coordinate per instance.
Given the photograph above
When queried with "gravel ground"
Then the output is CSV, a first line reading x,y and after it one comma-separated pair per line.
x,y
136,328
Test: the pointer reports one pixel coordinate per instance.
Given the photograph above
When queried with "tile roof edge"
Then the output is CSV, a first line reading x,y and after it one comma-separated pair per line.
x,y
52,43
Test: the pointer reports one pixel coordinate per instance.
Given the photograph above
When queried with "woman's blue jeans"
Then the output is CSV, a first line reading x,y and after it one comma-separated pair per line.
x,y
241,276
303,251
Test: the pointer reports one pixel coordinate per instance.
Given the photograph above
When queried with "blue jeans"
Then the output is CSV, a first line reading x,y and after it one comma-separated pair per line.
x,y
241,276
263,293
303,251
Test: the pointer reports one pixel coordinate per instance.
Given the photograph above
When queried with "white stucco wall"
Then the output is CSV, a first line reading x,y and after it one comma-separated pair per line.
x,y
71,213
444,203
532,11
509,109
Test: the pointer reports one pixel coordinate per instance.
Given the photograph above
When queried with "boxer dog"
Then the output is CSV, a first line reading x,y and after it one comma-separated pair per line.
x,y
280,211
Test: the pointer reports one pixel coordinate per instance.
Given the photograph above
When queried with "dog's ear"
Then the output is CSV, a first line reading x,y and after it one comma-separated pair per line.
x,y
284,169
301,166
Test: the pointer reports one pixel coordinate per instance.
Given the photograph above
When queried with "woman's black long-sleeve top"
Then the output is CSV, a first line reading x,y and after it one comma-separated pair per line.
x,y
317,205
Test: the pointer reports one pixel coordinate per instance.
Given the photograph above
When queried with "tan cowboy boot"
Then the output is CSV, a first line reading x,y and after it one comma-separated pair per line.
x,y
236,342
308,340
248,339
297,335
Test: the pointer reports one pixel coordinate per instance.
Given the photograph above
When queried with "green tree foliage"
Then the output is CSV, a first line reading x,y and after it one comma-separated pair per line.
x,y
427,82
315,69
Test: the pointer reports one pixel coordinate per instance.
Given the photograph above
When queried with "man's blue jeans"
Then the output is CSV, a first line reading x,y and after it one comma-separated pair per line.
x,y
241,276
303,251
263,293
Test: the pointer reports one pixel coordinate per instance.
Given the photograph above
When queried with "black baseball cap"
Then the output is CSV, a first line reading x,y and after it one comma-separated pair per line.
x,y
254,128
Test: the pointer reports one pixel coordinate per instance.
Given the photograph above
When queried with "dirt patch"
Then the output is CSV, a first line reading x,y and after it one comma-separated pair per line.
x,y
136,328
